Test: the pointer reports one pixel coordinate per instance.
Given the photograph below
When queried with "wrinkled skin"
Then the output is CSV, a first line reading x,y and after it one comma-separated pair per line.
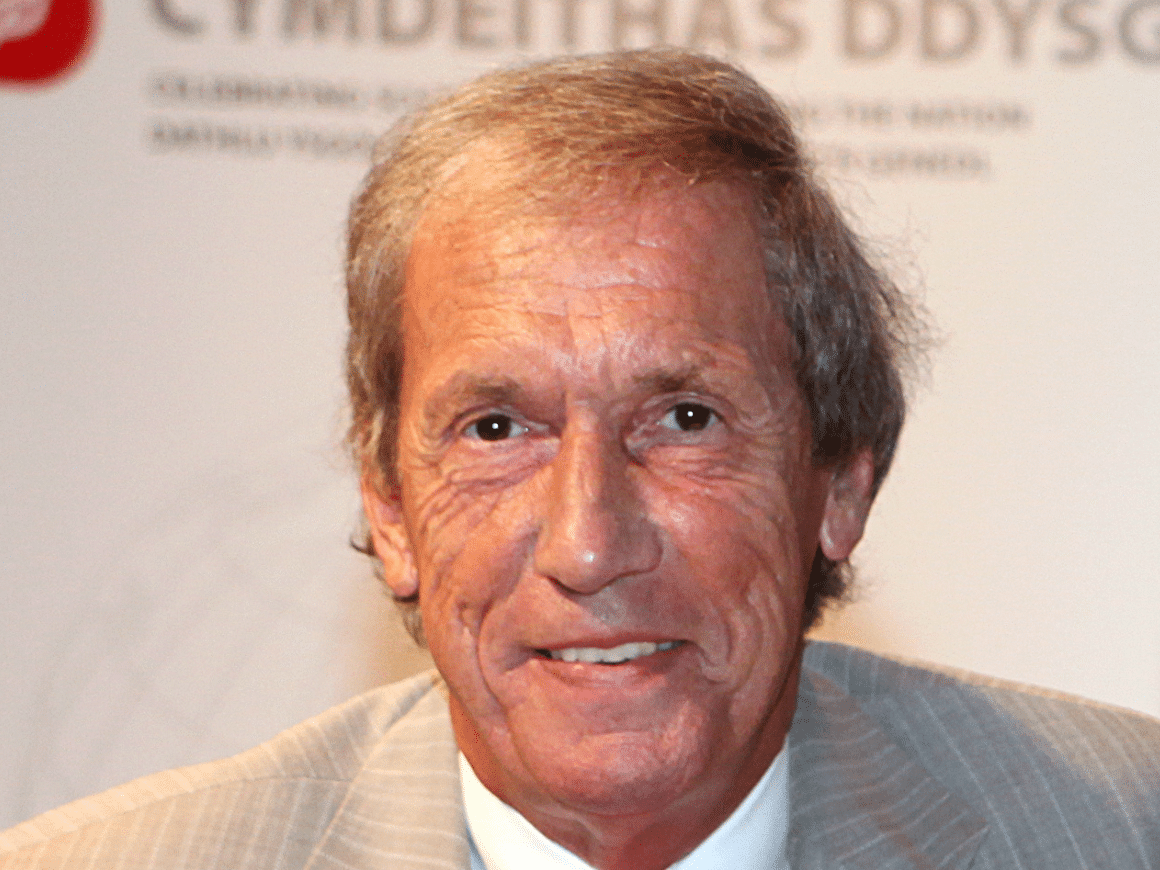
x,y
602,442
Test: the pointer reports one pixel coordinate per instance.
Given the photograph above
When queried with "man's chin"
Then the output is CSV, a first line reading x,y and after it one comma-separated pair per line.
x,y
611,774
598,740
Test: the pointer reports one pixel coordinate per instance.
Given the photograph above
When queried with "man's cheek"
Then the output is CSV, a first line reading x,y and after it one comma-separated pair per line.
x,y
470,545
725,516
449,512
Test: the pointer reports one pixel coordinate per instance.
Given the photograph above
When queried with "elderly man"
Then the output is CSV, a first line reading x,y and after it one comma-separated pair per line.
x,y
624,386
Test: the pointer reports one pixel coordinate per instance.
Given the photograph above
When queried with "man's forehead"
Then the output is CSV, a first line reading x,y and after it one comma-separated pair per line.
x,y
672,278
477,212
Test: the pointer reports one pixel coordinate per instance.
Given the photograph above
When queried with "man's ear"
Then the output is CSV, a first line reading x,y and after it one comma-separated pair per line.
x,y
847,506
389,535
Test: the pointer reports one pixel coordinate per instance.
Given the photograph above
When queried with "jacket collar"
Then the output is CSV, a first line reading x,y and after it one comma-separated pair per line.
x,y
403,808
859,801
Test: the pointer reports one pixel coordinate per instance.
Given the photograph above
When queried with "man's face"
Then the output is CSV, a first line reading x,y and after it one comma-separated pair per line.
x,y
607,503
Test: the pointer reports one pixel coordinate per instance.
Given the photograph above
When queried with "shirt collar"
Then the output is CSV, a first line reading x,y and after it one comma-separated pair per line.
x,y
754,835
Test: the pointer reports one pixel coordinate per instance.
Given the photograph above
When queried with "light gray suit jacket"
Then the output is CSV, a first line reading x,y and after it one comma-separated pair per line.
x,y
891,766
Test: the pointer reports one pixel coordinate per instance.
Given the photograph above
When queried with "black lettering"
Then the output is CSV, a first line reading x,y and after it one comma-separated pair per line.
x,y
652,16
522,23
868,114
244,17
175,21
259,141
1087,46
568,25
332,144
936,45
932,164
167,135
1143,51
884,24
1018,22
713,25
300,14
170,86
929,163
469,15
417,28
790,37
993,117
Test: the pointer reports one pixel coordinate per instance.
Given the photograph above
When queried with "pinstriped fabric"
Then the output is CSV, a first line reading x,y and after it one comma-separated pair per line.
x,y
892,767
1053,781
859,801
220,827
404,811
269,807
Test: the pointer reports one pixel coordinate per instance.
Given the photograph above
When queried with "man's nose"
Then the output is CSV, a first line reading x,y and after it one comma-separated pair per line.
x,y
596,529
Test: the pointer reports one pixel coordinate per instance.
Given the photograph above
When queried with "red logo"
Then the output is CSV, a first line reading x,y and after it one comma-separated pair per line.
x,y
41,40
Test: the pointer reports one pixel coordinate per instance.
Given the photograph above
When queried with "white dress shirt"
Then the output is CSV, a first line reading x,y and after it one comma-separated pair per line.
x,y
754,835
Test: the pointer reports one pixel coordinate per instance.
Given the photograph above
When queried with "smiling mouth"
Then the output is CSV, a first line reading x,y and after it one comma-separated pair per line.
x,y
626,652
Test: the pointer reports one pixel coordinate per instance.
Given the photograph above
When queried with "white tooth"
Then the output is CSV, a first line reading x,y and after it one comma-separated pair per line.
x,y
623,653
627,651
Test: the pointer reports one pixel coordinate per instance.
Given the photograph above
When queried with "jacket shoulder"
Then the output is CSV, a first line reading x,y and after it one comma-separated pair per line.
x,y
1027,759
282,791
881,681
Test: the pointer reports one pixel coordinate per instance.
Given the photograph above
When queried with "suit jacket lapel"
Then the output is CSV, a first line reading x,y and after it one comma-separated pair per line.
x,y
858,800
403,810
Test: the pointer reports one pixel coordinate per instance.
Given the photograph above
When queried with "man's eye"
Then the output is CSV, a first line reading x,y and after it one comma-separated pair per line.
x,y
688,417
495,427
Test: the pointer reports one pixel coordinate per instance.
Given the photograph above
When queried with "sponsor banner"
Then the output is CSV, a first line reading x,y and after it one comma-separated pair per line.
x,y
174,177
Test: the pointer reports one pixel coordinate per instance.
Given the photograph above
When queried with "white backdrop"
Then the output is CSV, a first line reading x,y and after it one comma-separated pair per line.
x,y
175,507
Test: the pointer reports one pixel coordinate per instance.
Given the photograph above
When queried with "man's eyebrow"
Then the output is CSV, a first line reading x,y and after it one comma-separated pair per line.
x,y
465,389
687,378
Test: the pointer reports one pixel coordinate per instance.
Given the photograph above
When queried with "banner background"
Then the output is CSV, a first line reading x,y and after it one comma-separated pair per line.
x,y
176,507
